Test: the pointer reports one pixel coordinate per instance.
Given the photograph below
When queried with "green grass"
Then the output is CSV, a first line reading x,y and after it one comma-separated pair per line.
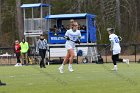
x,y
87,78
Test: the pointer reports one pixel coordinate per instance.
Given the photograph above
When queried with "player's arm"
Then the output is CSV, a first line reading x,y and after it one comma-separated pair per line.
x,y
112,43
78,39
67,35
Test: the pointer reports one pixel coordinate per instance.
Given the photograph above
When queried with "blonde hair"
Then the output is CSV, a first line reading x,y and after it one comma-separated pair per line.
x,y
71,22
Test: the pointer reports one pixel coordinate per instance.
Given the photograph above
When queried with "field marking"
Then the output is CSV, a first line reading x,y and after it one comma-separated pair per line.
x,y
30,84
11,76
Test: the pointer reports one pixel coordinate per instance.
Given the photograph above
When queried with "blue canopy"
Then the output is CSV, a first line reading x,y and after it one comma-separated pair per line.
x,y
66,16
34,5
90,33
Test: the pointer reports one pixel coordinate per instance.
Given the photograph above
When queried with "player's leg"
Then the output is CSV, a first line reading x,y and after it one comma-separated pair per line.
x,y
22,56
17,64
18,59
118,59
122,60
42,58
72,55
61,68
26,58
126,61
66,58
114,58
44,53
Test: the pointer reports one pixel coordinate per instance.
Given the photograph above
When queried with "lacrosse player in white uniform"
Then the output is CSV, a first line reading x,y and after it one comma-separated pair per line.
x,y
115,48
72,36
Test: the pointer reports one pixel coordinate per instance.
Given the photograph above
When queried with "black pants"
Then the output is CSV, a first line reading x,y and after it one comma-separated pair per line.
x,y
18,57
116,58
42,53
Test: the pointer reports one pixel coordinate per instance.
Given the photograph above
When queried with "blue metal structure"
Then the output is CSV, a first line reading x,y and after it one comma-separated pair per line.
x,y
34,5
88,35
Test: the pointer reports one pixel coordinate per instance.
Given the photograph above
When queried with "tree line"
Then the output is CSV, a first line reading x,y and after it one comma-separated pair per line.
x,y
123,15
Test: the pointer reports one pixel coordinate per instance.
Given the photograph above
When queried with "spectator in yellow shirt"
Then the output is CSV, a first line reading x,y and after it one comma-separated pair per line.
x,y
24,50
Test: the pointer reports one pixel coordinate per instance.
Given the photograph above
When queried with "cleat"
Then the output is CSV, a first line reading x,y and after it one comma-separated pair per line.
x,y
20,64
127,61
61,70
2,84
70,69
17,65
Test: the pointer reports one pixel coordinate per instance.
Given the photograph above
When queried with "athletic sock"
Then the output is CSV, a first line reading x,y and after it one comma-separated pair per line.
x,y
62,66
124,60
70,64
115,66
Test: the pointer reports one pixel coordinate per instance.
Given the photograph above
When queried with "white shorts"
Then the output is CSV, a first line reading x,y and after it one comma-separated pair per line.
x,y
69,45
116,51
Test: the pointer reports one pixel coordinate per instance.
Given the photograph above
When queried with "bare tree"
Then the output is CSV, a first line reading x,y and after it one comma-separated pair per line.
x,y
0,21
19,19
118,18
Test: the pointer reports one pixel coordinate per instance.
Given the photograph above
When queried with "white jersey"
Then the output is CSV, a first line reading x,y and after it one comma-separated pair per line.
x,y
73,37
116,43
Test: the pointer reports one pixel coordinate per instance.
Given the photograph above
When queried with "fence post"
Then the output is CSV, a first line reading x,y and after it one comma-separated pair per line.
x,y
106,53
135,46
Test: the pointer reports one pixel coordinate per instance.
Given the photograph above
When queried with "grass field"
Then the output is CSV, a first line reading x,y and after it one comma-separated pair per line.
x,y
87,78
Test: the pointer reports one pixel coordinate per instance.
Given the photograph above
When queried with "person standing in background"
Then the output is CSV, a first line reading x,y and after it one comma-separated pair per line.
x,y
41,47
17,51
24,51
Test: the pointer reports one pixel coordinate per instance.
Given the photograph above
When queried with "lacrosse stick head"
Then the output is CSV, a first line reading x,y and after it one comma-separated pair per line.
x,y
120,38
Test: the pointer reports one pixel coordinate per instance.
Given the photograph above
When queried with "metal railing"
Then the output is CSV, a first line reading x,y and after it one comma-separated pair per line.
x,y
130,51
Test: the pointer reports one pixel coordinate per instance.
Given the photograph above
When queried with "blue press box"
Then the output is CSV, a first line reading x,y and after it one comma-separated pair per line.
x,y
59,38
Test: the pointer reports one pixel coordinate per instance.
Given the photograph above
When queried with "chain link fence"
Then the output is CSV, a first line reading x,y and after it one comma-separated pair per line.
x,y
130,51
